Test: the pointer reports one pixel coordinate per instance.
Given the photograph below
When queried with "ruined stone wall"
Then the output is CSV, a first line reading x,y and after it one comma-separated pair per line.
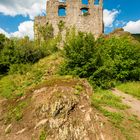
x,y
92,22
39,21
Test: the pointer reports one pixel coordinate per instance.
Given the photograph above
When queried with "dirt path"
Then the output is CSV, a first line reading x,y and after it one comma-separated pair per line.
x,y
130,101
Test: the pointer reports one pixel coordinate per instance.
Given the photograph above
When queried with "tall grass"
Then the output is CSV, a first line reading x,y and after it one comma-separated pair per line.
x,y
132,88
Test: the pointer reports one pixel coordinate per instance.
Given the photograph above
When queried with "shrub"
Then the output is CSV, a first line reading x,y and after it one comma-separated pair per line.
x,y
19,53
7,86
61,25
50,46
19,68
2,41
46,31
78,51
125,57
103,61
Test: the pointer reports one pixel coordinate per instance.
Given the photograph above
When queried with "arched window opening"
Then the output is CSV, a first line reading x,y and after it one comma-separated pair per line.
x,y
85,2
84,11
96,2
62,0
61,11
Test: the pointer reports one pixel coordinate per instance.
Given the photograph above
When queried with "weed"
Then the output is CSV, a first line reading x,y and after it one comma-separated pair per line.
x,y
132,88
15,85
107,98
16,112
43,135
115,117
128,125
78,89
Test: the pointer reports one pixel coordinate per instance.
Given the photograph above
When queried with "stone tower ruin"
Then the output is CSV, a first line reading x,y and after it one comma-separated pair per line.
x,y
84,15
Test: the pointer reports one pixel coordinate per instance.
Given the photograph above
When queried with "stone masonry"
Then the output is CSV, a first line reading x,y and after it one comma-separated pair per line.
x,y
86,17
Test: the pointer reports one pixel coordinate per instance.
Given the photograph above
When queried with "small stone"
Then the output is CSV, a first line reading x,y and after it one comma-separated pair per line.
x,y
8,128
40,90
87,117
81,106
42,122
21,131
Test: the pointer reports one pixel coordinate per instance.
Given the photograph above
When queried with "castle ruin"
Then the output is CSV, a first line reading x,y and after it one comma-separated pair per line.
x,y
84,15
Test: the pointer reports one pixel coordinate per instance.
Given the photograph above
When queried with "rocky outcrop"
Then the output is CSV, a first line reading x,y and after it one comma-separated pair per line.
x,y
60,109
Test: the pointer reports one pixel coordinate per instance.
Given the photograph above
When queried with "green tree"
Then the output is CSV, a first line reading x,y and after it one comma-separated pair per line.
x,y
78,51
103,61
2,41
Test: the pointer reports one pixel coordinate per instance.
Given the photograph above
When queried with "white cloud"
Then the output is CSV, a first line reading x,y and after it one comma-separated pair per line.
x,y
29,8
4,32
132,26
109,17
24,29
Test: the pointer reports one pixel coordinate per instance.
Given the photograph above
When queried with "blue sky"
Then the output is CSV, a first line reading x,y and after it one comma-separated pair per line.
x,y
16,17
10,23
128,14
130,9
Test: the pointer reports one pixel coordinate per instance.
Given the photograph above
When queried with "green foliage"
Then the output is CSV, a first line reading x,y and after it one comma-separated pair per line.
x,y
43,135
61,25
7,86
78,51
2,41
20,51
115,117
19,68
46,31
78,89
102,99
107,98
103,61
117,59
132,88
15,85
17,55
48,47
16,112
86,14
17,58
113,108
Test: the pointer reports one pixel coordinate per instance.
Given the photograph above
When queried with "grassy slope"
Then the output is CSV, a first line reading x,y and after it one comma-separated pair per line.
x,y
16,84
113,108
132,88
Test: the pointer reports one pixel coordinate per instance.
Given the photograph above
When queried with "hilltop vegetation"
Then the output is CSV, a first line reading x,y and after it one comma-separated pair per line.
x,y
17,55
104,61
45,87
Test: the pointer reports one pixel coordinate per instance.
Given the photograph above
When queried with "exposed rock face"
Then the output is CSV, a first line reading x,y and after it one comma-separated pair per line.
x,y
86,17
61,109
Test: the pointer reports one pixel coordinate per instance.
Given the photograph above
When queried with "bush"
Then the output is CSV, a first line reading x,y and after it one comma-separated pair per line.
x,y
18,53
124,58
61,25
19,68
78,51
50,46
2,41
46,31
103,61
